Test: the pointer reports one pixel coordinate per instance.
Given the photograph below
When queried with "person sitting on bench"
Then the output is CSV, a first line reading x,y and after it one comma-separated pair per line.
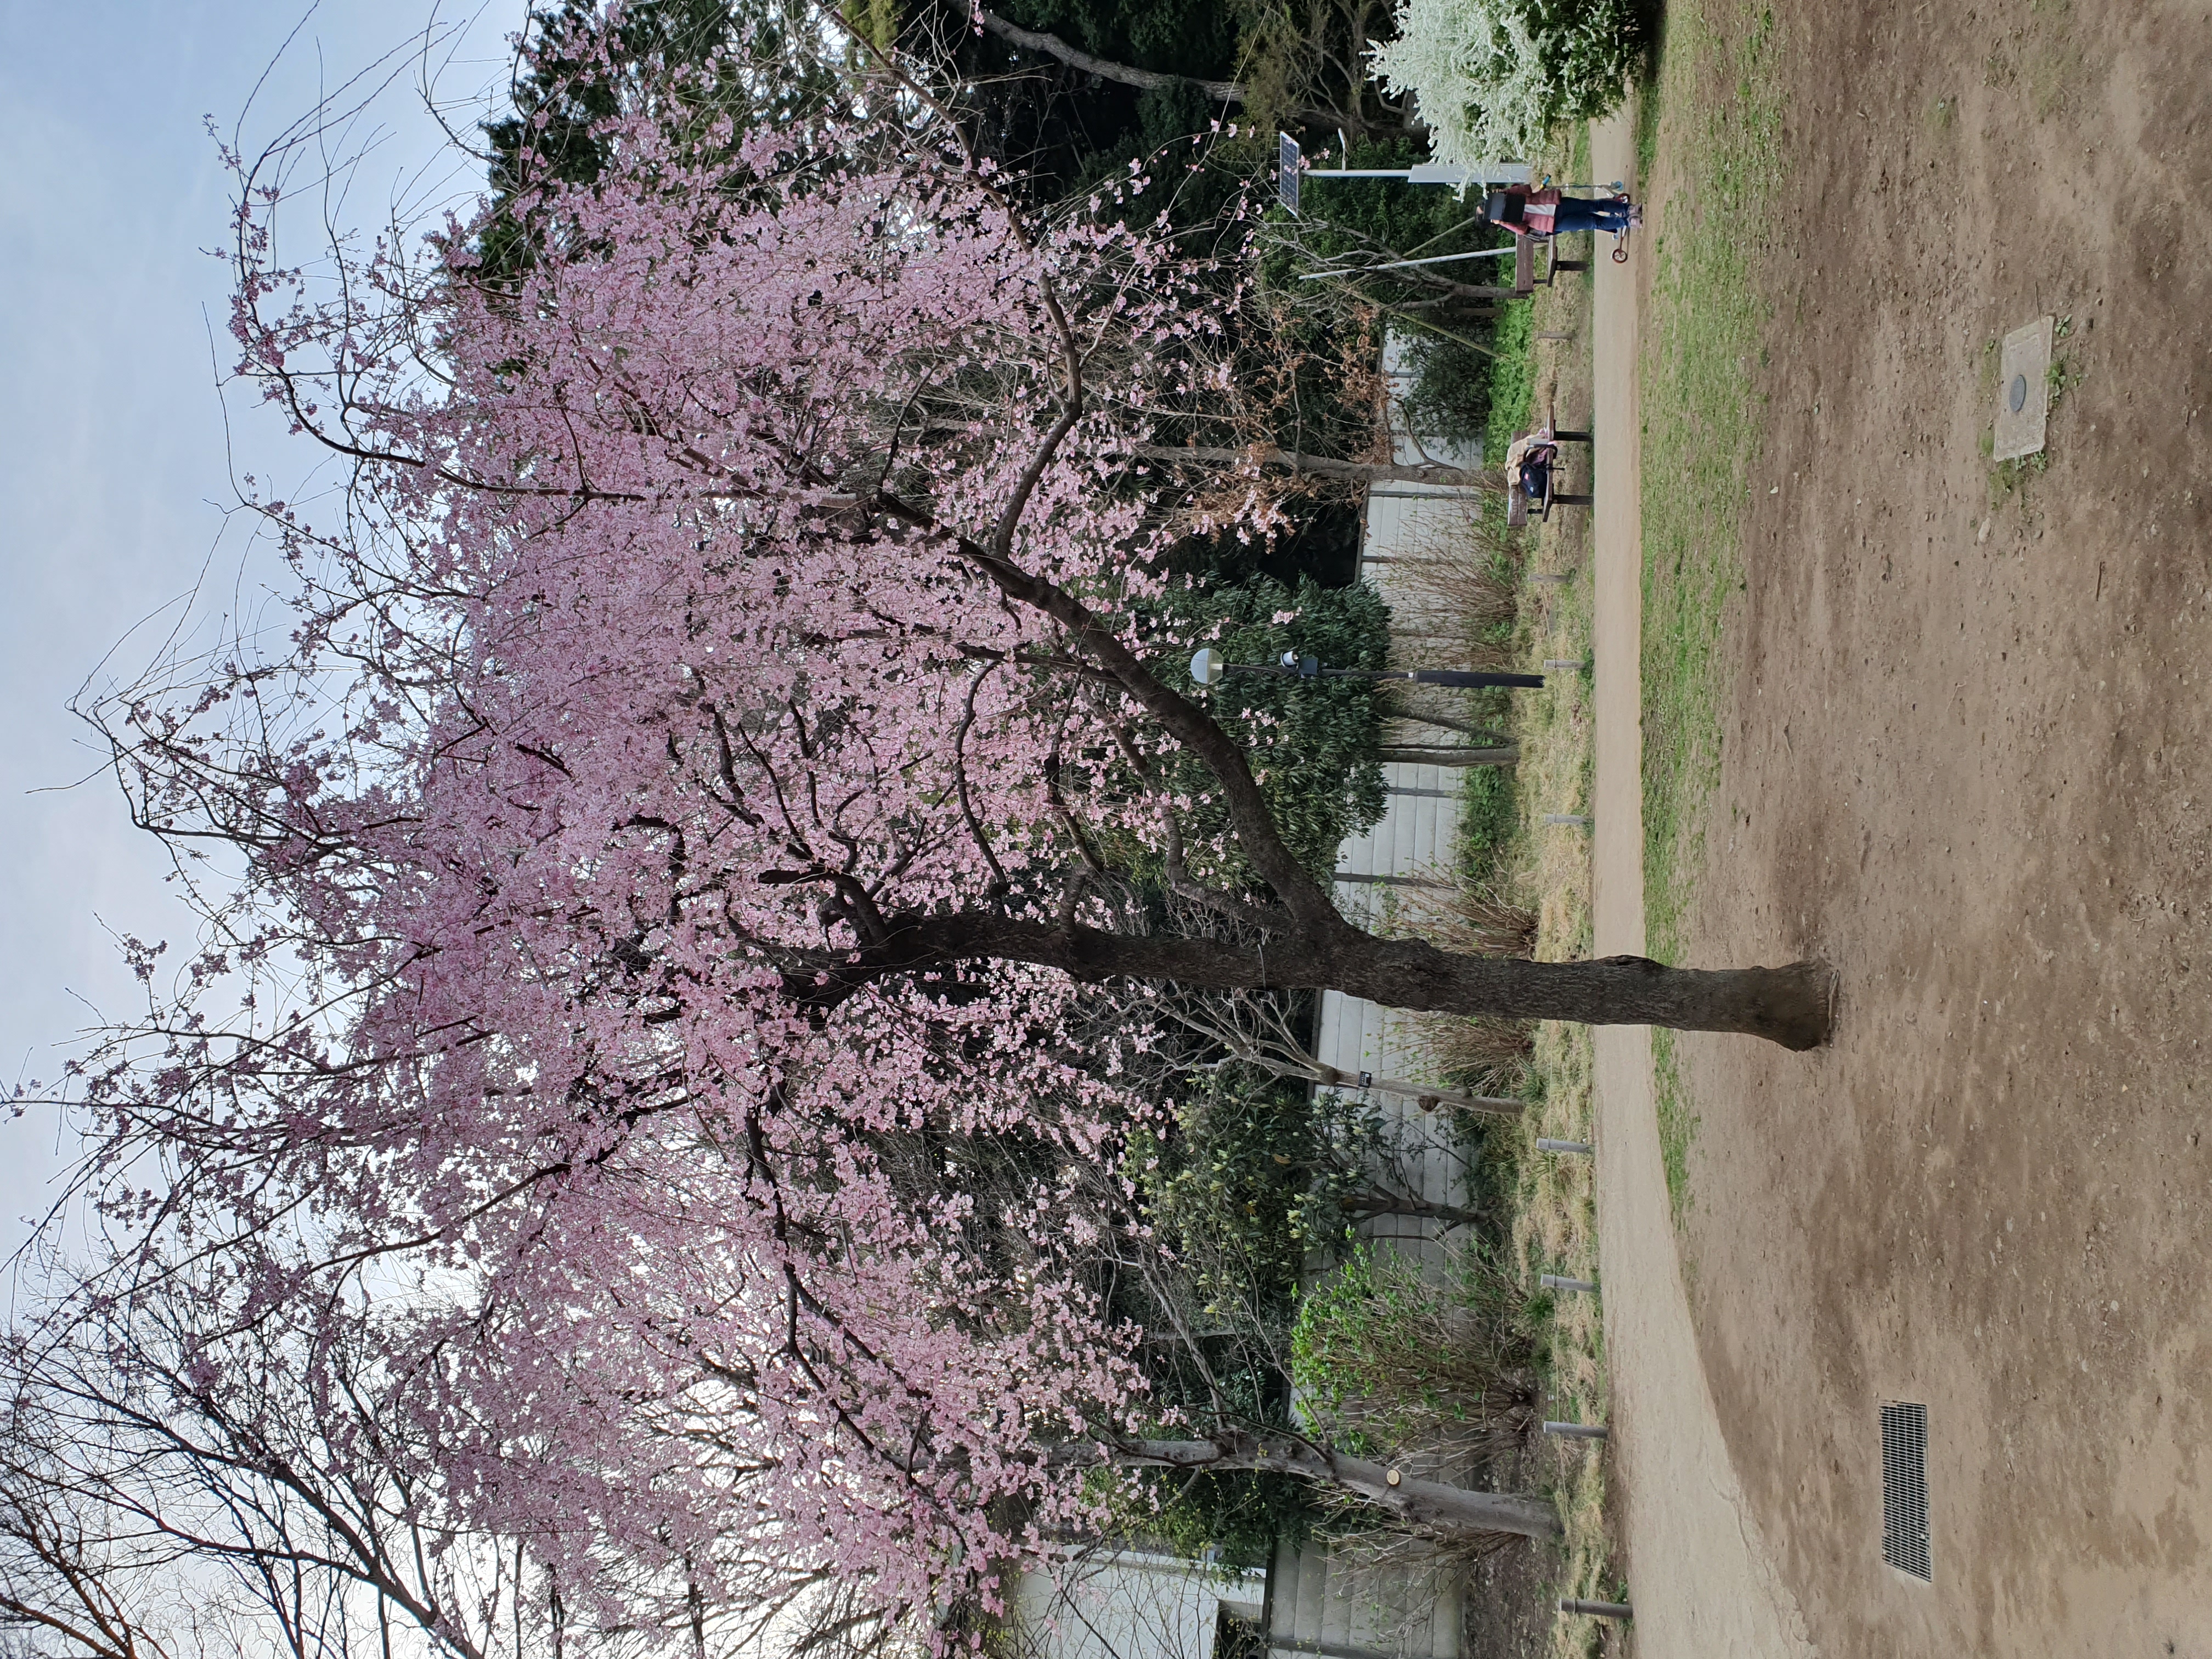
x,y
1529,461
1530,212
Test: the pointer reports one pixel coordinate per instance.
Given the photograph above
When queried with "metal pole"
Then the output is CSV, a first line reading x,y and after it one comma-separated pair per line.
x,y
1576,1430
1596,1609
1581,1146
1403,264
1560,1282
1440,675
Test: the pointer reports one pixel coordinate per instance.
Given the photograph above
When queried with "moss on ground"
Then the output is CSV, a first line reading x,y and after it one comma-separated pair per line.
x,y
1717,140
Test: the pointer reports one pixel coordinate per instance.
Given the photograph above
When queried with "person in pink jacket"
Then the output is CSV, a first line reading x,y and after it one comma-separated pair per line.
x,y
1528,211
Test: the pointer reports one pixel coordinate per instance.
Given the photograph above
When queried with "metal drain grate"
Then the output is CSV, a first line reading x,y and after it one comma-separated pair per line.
x,y
1905,1489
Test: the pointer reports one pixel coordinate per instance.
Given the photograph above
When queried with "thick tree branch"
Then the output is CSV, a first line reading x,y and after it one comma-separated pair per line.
x,y
1788,1004
1323,466
1430,1506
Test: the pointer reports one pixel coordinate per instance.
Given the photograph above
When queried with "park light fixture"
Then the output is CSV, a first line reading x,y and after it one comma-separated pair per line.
x,y
1209,666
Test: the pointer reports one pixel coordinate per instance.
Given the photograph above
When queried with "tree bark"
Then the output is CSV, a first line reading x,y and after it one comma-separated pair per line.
x,y
1790,1005
1432,1506
1427,1096
1422,754
1374,1203
1221,92
1323,466
1127,75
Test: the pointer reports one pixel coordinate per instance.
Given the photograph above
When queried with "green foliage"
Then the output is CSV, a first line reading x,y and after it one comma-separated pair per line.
x,y
1489,818
1449,396
1512,379
1490,76
1239,1515
1223,1189
1390,1359
756,61
1191,187
1311,743
878,20
1591,50
1065,133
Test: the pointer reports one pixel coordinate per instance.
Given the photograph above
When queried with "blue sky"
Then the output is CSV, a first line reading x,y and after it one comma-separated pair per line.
x,y
116,454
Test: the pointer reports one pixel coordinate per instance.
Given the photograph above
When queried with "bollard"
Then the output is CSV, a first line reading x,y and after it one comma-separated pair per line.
x,y
1581,1146
1574,820
1578,1430
1594,1609
1560,1282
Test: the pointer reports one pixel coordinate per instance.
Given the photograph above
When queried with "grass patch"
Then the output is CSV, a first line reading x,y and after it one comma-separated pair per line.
x,y
1490,812
1512,378
1554,1199
1647,105
1678,1122
1718,115
1702,430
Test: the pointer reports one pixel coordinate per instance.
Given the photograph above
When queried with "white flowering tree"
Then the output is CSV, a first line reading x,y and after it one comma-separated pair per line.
x,y
1488,77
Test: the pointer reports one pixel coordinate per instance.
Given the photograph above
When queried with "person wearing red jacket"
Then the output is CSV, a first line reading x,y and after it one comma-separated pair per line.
x,y
1527,211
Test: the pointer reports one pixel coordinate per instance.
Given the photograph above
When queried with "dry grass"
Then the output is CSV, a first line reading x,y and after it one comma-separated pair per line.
x,y
1479,1054
1458,588
1469,918
1554,1199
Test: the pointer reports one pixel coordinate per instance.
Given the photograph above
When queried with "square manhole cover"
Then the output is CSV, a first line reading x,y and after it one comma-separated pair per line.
x,y
2023,390
1905,1489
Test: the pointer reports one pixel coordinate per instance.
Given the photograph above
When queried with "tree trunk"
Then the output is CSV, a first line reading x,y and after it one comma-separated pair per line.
x,y
1432,1507
1428,1096
1425,754
1323,466
1789,1005
1374,1203
1306,943
1127,75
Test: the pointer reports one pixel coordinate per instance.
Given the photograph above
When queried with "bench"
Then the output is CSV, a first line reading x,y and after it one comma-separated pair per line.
x,y
1525,280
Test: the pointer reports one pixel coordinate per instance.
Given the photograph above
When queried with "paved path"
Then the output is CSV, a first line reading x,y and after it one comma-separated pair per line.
x,y
1700,1576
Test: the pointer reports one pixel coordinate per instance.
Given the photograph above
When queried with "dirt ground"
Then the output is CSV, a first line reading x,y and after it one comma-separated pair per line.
x,y
1510,1605
1968,761
1509,1602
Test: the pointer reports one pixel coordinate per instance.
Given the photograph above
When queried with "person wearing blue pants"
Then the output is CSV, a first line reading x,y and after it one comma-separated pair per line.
x,y
1547,212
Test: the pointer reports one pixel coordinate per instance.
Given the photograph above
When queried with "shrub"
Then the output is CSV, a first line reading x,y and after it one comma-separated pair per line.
x,y
1396,1363
1490,76
1312,743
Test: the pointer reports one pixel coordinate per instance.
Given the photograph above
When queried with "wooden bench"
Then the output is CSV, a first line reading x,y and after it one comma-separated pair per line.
x,y
1525,280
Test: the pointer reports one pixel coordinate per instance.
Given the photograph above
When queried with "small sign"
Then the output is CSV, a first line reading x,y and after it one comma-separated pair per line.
x,y
1287,176
2023,390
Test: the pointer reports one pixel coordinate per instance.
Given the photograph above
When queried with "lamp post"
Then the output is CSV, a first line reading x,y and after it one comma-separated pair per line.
x,y
1209,665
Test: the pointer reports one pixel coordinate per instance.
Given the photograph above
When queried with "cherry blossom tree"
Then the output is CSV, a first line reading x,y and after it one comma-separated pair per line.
x,y
180,1476
693,799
